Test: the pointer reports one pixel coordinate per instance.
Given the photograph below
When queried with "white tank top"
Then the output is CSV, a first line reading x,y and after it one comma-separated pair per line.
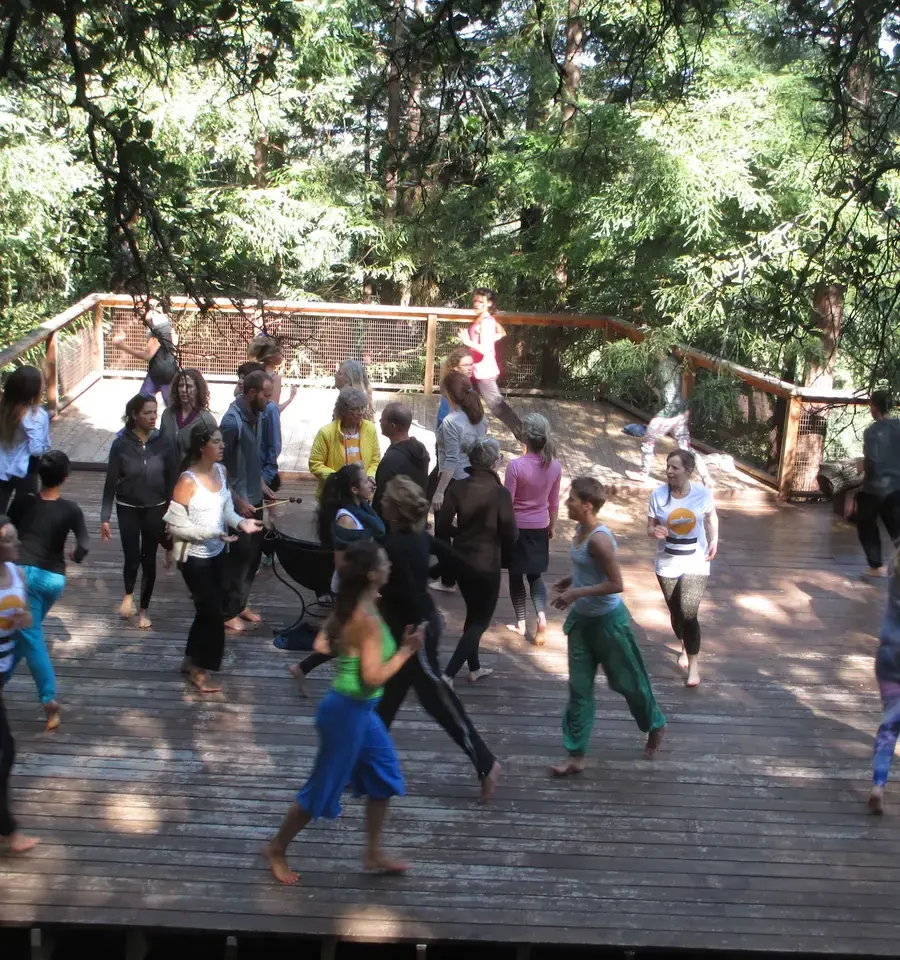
x,y
343,513
207,509
13,599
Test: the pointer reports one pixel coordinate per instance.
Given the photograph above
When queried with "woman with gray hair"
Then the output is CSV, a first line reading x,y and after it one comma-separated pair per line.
x,y
533,483
349,438
485,538
352,373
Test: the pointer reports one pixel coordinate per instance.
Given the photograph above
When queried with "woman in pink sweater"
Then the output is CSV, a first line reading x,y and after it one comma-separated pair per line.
x,y
533,481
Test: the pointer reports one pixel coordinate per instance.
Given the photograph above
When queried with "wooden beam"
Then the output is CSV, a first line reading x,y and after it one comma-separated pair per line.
x,y
51,375
41,333
788,453
430,340
98,337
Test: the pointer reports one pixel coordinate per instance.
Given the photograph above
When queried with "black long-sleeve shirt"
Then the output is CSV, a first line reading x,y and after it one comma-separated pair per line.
x,y
405,598
139,474
43,527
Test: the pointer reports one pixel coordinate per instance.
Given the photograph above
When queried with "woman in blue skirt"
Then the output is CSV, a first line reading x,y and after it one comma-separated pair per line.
x,y
354,745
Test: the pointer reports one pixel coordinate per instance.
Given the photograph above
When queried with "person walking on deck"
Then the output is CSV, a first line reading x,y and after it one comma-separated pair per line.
x,y
599,632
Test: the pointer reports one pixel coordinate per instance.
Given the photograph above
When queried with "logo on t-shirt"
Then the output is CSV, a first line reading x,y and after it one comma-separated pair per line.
x,y
15,605
681,522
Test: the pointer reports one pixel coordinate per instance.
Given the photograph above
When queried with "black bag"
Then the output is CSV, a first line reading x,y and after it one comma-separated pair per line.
x,y
163,365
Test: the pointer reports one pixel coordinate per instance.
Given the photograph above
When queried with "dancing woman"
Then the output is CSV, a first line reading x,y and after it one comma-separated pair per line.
x,y
44,522
14,616
187,411
140,477
598,629
533,482
405,598
354,745
887,673
682,519
24,433
485,537
198,519
160,352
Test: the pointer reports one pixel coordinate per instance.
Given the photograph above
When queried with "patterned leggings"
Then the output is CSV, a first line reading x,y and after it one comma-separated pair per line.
x,y
683,595
886,738
517,593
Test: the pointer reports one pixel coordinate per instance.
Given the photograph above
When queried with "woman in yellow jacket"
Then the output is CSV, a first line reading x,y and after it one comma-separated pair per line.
x,y
349,438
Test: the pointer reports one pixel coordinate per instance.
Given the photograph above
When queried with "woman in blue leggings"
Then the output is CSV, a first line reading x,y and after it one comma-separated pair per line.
x,y
887,672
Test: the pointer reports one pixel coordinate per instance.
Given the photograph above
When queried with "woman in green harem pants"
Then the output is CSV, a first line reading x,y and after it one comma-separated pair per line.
x,y
599,632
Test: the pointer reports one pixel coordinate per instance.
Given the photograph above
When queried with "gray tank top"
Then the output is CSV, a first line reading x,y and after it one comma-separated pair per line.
x,y
586,573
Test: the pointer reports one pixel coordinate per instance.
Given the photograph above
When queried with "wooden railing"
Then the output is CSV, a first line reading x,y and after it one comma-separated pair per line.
x,y
402,348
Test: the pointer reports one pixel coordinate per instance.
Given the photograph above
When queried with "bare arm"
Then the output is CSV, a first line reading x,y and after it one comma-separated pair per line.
x,y
603,553
145,354
711,525
373,671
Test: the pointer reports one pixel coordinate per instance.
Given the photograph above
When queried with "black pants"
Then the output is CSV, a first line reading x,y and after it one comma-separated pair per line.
x,y
868,509
15,488
448,570
7,758
204,577
243,562
142,530
683,595
423,674
480,591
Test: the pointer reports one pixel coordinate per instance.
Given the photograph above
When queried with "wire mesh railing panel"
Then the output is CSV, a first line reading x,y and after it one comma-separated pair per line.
x,y
76,356
810,450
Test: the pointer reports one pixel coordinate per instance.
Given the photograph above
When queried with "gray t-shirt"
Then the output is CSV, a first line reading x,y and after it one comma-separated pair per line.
x,y
452,439
881,451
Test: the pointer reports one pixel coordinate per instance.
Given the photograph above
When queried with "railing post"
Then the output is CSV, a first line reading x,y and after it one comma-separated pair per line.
x,y
98,336
430,344
688,380
50,375
789,440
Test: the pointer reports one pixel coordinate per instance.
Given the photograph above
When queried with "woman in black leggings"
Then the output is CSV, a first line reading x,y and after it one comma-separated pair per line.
x,y
140,477
682,519
484,540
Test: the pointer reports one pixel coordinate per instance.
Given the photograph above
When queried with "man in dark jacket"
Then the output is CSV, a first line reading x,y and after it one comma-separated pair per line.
x,y
240,431
405,457
880,494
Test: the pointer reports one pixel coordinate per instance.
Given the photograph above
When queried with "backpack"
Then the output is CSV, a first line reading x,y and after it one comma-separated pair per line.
x,y
163,364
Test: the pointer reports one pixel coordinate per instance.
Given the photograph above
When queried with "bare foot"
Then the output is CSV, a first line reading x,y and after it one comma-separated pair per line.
x,y
237,625
489,783
52,711
569,767
382,864
18,843
876,801
144,621
126,609
518,628
683,659
654,742
279,866
186,665
693,677
248,615
540,635
874,573
299,678
199,679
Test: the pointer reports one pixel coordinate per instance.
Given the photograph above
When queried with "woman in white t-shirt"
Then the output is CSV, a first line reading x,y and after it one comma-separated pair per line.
x,y
682,519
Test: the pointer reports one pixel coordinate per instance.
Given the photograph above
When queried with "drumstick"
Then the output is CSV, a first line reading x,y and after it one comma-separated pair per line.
x,y
278,503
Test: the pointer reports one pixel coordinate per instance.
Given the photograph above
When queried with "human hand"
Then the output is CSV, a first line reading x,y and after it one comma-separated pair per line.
x,y
105,532
267,493
21,619
566,598
294,389
437,501
550,532
228,537
243,508
250,526
660,531
119,338
562,584
413,638
712,550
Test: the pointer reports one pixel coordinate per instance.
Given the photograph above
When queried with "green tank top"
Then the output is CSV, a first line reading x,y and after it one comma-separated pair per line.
x,y
347,679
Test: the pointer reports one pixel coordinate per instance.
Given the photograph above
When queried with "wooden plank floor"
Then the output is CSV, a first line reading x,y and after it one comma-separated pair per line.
x,y
748,831
590,434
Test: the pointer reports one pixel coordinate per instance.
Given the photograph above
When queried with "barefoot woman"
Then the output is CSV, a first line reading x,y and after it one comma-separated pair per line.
x,y
354,746
599,632
682,519
199,517
13,616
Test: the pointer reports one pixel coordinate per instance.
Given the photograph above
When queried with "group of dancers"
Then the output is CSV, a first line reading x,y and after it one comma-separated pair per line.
x,y
199,490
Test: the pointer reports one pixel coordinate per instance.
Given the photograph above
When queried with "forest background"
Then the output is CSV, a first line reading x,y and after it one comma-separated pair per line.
x,y
723,172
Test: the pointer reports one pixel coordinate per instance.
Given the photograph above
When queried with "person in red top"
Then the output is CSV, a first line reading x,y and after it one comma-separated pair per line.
x,y
481,338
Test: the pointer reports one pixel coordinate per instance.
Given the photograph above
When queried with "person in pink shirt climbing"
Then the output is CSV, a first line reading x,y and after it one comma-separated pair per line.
x,y
533,482
481,337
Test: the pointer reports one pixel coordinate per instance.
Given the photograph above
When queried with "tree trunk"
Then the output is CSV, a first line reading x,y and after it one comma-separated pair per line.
x,y
571,71
827,312
261,161
392,133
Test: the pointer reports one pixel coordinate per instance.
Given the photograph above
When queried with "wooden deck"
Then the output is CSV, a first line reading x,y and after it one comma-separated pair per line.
x,y
590,434
749,831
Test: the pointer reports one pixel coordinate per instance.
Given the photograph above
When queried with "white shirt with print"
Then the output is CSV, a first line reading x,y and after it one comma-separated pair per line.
x,y
684,549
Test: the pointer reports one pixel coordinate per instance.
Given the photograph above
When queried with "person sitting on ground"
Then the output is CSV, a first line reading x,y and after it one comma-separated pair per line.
x,y
405,457
599,632
880,493
351,373
44,521
349,438
188,409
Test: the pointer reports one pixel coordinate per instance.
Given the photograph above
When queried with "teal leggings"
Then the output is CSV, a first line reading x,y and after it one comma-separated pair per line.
x,y
44,589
